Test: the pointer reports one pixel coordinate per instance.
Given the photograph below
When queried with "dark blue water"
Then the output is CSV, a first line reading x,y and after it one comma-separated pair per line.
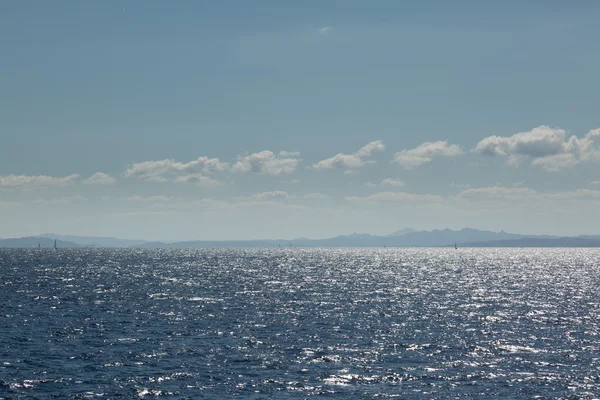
x,y
293,323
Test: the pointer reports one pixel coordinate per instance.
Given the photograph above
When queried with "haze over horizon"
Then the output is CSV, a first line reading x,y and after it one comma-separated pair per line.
x,y
215,121
123,242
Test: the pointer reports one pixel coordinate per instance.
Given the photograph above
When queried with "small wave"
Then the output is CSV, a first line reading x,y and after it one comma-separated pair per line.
x,y
206,299
356,379
149,392
328,359
519,349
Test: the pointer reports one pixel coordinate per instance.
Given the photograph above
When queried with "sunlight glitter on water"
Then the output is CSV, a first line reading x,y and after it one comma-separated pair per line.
x,y
374,323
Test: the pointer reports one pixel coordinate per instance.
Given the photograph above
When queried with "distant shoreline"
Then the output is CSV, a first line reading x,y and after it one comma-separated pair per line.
x,y
465,238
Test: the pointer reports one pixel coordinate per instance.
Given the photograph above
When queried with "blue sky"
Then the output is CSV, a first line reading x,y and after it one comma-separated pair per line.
x,y
270,119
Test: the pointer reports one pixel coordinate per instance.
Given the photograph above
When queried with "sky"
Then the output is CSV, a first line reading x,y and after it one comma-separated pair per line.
x,y
270,119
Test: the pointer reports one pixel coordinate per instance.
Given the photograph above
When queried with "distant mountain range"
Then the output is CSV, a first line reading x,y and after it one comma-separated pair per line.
x,y
403,238
541,242
95,241
32,241
403,232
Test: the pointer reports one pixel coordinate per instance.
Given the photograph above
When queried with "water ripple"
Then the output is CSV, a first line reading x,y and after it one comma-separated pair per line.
x,y
296,323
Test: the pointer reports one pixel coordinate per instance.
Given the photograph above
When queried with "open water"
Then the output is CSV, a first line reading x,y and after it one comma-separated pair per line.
x,y
300,323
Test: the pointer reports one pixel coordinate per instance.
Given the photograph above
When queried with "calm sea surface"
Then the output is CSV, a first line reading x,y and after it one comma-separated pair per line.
x,y
295,323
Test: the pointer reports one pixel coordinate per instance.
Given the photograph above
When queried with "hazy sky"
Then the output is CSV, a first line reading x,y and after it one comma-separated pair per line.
x,y
280,119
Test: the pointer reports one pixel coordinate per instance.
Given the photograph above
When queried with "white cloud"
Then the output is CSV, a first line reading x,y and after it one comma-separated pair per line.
x,y
580,194
50,201
26,182
324,29
370,148
268,204
276,198
150,199
198,179
354,160
483,203
207,203
294,154
539,142
100,178
394,197
496,193
524,195
197,205
595,182
61,200
273,195
316,196
267,163
392,182
386,182
341,161
425,153
549,148
148,213
590,146
165,170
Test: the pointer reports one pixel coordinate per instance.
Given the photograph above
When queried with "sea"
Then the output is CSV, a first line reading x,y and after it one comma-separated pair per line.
x,y
300,323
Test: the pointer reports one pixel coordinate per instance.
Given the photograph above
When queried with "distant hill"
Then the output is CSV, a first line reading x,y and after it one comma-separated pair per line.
x,y
539,242
402,232
95,241
32,242
435,238
447,237
199,244
466,237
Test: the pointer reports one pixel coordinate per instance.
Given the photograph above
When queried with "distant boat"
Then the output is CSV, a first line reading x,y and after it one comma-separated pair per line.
x,y
455,246
54,244
39,245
